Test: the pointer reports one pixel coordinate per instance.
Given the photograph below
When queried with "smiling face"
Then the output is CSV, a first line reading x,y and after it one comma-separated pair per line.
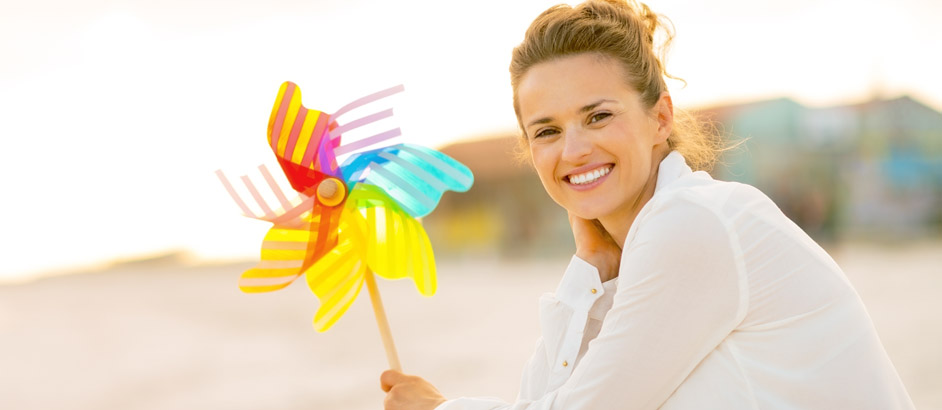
x,y
593,144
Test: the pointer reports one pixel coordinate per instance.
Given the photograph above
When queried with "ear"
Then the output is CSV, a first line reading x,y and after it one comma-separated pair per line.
x,y
664,114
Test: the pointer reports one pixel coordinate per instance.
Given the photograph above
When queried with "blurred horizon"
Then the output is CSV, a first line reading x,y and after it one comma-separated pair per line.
x,y
117,113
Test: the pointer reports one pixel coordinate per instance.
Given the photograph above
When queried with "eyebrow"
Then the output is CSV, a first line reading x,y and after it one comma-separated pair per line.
x,y
586,108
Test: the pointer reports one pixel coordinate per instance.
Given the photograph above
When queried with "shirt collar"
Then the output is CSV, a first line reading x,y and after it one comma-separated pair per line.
x,y
672,168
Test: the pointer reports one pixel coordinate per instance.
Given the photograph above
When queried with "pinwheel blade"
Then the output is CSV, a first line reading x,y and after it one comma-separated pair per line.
x,y
283,253
300,139
287,251
337,277
397,246
414,176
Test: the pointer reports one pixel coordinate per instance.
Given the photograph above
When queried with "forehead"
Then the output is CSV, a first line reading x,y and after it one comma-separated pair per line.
x,y
565,84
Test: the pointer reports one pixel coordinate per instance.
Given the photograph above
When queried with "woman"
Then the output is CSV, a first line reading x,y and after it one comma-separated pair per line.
x,y
684,292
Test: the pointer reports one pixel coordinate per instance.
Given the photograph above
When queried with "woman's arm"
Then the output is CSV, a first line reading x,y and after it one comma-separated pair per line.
x,y
680,293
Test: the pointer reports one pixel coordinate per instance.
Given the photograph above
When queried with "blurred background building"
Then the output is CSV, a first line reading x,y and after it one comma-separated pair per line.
x,y
869,171
865,171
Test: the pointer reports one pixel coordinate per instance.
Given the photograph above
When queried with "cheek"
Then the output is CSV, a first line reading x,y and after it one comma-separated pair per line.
x,y
544,163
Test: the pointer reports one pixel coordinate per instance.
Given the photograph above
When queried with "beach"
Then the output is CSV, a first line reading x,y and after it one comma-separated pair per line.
x,y
173,335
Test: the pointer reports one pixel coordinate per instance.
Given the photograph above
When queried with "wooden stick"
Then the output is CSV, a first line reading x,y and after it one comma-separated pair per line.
x,y
391,356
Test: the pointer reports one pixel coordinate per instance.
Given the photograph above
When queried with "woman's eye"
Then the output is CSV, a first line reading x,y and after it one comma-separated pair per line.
x,y
544,133
599,117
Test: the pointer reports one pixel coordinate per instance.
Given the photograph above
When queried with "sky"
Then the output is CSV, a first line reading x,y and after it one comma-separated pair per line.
x,y
114,115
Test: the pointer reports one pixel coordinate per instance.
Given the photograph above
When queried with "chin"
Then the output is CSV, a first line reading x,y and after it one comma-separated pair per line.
x,y
587,212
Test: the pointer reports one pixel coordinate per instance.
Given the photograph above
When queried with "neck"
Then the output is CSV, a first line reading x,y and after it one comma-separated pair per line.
x,y
619,224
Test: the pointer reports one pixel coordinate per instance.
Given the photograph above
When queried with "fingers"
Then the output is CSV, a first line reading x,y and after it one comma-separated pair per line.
x,y
390,378
408,392
589,233
573,219
577,222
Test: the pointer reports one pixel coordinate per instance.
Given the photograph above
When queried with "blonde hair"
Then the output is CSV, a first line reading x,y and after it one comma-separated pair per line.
x,y
624,31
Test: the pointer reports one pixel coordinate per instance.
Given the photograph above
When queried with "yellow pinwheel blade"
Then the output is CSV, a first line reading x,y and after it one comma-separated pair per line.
x,y
283,253
396,244
337,277
287,250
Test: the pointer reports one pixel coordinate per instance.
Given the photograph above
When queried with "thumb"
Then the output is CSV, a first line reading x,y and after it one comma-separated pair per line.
x,y
390,378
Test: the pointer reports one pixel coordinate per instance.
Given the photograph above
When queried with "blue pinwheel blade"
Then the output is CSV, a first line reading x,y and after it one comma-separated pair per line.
x,y
414,176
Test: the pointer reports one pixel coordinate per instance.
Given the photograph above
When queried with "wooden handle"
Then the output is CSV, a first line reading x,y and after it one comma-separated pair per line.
x,y
391,356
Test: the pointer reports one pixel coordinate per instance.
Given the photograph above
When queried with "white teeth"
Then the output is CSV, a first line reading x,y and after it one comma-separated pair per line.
x,y
590,176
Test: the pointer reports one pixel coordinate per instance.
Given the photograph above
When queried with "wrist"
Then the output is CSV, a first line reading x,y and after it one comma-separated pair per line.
x,y
605,264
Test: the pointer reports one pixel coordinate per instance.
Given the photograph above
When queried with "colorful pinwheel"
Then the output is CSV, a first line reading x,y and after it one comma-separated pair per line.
x,y
347,221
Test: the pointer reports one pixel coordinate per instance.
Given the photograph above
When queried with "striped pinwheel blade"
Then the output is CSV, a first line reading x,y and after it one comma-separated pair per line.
x,y
397,246
337,277
300,138
287,251
414,176
283,253
285,213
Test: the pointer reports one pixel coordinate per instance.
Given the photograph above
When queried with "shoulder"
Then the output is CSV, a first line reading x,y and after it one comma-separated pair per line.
x,y
680,229
684,240
698,202
690,207
692,223
693,202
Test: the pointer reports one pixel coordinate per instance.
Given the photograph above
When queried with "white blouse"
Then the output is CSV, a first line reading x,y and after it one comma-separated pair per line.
x,y
721,302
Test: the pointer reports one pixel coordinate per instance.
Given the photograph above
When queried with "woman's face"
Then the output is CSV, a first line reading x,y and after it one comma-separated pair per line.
x,y
591,141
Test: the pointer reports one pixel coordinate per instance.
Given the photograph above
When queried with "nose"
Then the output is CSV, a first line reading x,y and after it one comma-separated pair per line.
x,y
576,146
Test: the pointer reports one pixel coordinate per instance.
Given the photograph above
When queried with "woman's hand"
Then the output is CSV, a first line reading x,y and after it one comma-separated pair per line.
x,y
596,246
409,392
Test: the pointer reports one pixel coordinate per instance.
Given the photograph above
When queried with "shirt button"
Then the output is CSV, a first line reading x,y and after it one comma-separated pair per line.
x,y
594,290
565,363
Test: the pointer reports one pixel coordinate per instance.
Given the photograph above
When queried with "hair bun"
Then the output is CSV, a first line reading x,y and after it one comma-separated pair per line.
x,y
650,20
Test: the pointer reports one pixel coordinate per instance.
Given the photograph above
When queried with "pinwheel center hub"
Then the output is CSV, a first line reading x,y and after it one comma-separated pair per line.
x,y
331,192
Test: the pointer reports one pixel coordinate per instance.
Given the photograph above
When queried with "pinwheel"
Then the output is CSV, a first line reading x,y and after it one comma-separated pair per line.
x,y
346,221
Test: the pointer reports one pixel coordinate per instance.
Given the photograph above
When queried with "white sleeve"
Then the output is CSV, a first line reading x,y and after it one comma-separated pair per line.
x,y
681,291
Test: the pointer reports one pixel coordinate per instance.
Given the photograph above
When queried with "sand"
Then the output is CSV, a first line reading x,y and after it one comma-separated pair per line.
x,y
184,337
